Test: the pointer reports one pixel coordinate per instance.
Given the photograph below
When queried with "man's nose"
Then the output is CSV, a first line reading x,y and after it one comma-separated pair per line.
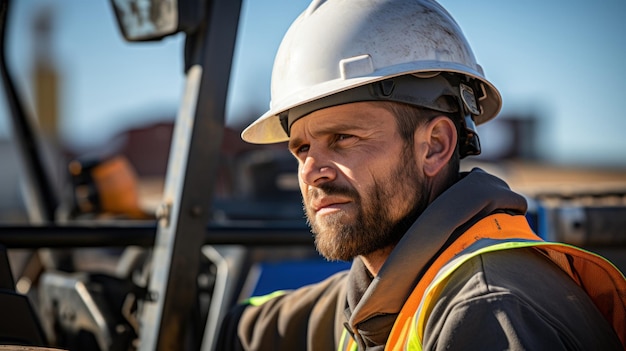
x,y
316,170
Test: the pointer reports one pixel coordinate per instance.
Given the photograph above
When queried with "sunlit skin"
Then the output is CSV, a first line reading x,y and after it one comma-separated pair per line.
x,y
358,179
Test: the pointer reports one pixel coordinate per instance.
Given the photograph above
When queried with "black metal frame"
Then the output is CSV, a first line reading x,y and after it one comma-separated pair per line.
x,y
143,235
192,170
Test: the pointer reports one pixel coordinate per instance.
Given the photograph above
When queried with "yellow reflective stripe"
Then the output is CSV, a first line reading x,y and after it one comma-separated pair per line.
x,y
259,300
414,342
342,340
346,343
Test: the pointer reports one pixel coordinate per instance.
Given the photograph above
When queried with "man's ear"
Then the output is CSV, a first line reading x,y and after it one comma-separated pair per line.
x,y
440,137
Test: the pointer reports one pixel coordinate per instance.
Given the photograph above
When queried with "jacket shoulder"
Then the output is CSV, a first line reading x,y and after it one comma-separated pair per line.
x,y
516,296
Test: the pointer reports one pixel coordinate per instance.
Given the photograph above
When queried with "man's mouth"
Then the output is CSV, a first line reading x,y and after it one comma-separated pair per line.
x,y
328,204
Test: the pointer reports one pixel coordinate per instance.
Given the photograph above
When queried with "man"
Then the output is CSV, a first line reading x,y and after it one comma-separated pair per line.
x,y
378,100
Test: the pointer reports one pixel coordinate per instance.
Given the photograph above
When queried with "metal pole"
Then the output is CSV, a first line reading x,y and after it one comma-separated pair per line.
x,y
109,235
191,173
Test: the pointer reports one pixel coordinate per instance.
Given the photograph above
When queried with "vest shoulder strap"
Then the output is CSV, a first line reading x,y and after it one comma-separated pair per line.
x,y
602,281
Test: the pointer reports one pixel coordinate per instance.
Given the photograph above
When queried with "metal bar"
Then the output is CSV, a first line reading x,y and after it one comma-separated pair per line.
x,y
40,197
191,173
84,236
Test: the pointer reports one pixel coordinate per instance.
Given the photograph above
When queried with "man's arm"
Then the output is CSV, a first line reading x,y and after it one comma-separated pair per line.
x,y
300,319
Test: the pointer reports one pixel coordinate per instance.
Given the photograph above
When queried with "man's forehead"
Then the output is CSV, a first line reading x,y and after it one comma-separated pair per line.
x,y
357,115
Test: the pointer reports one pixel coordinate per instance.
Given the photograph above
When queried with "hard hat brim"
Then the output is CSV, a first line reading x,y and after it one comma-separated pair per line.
x,y
267,129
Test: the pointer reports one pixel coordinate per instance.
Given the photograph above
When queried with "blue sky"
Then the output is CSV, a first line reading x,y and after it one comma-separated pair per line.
x,y
561,61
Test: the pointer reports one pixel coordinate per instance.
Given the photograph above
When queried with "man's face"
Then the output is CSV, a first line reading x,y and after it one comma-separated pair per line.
x,y
360,183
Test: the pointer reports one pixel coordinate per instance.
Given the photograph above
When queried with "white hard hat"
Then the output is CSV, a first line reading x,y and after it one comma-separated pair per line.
x,y
341,46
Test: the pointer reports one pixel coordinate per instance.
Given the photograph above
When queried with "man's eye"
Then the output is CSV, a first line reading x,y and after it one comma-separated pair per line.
x,y
301,149
342,137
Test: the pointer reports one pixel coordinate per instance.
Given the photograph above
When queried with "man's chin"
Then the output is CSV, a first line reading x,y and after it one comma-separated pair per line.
x,y
333,253
334,243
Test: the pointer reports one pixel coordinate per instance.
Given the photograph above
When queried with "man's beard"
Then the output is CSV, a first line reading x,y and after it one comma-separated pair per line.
x,y
373,228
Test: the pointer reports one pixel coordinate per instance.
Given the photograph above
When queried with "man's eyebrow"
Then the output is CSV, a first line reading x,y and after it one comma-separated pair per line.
x,y
294,142
337,128
346,126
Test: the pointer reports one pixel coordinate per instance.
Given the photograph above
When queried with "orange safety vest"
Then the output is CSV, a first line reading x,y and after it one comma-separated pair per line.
x,y
600,279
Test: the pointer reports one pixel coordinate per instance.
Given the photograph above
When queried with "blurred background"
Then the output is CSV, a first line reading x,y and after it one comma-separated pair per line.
x,y
104,111
559,66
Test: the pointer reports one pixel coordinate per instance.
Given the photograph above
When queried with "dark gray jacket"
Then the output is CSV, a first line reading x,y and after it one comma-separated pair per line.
x,y
513,300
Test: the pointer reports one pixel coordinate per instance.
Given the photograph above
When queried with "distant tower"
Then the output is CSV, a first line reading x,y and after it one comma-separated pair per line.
x,y
45,75
46,85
